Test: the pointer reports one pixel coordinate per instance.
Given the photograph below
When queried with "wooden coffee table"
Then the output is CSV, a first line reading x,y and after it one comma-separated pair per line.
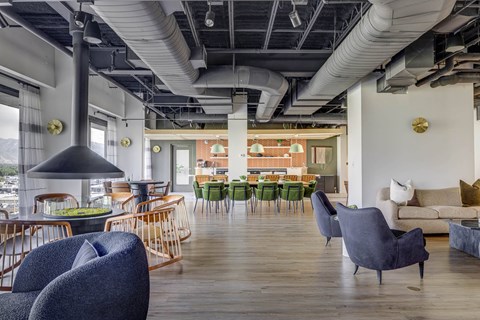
x,y
465,236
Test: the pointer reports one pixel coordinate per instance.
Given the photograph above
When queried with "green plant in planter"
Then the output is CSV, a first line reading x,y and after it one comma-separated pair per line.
x,y
279,142
261,178
243,178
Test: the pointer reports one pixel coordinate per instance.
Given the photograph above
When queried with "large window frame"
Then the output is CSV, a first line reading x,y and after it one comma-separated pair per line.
x,y
96,185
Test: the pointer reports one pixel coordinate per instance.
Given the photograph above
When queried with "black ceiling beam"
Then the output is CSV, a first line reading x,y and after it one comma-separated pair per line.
x,y
253,30
311,23
231,24
191,23
271,22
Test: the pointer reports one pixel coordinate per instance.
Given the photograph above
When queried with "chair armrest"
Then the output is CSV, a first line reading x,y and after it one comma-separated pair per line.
x,y
92,200
45,263
411,248
389,209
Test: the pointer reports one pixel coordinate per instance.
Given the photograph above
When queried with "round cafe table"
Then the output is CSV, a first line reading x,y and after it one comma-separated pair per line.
x,y
140,189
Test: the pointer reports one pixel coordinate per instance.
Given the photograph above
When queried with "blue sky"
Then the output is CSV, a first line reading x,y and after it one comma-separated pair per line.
x,y
8,122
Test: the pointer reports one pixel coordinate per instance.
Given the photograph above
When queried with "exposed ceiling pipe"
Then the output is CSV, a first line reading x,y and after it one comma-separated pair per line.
x,y
156,38
272,84
449,65
388,27
476,91
459,77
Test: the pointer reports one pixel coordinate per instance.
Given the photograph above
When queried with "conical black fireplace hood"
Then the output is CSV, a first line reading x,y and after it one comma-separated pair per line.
x,y
77,161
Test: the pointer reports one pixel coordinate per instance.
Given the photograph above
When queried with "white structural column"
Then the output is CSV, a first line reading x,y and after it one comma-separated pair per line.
x,y
237,137
342,160
382,144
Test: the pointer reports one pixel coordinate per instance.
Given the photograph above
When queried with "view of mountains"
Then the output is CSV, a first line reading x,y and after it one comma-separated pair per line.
x,y
8,151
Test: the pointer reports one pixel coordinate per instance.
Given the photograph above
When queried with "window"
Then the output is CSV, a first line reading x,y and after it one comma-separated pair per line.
x,y
9,133
98,143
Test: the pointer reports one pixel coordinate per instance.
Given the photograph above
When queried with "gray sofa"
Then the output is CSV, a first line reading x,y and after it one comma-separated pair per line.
x,y
437,207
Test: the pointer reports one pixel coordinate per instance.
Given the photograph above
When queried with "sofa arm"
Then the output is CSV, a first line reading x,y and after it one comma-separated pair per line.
x,y
390,211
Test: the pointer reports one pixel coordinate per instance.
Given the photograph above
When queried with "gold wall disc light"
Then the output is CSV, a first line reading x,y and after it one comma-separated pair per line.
x,y
55,127
420,125
156,149
125,142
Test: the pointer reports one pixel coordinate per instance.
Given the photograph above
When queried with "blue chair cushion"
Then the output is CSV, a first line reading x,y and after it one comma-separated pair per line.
x,y
16,306
86,253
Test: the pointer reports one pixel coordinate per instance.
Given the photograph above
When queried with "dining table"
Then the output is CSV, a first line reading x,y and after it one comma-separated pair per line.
x,y
255,183
140,189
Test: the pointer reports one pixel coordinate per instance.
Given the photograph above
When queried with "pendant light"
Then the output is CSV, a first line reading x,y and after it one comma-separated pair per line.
x,y
296,147
217,147
256,147
92,33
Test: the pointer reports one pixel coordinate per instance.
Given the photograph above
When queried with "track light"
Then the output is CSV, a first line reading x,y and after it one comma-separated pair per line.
x,y
92,33
209,16
294,17
79,17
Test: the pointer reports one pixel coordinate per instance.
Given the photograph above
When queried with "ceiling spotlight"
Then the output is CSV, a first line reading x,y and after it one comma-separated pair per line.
x,y
209,16
92,33
79,17
294,17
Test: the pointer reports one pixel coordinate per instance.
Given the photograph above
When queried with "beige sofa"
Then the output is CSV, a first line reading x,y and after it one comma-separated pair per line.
x,y
437,207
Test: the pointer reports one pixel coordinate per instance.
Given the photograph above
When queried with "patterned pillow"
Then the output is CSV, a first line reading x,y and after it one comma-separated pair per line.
x,y
401,193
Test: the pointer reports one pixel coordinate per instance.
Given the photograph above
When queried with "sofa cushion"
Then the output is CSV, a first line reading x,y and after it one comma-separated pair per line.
x,y
17,305
439,197
417,213
450,212
470,194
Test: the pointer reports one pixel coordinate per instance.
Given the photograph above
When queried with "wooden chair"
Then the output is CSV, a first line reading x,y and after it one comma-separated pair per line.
x,y
158,231
272,177
203,178
110,200
252,177
120,187
160,190
220,177
57,201
19,237
290,177
308,177
107,186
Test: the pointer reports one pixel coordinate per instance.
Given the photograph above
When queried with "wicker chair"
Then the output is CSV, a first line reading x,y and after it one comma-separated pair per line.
x,y
290,177
272,177
110,200
220,177
203,178
308,177
120,187
252,177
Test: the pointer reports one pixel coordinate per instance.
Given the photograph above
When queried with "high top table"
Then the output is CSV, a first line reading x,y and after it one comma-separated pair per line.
x,y
140,189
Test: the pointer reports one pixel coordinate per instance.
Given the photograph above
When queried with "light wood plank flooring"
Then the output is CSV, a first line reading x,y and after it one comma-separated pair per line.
x,y
275,266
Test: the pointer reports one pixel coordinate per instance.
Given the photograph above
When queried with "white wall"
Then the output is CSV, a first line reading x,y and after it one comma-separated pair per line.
x,y
342,160
26,56
238,138
382,144
130,159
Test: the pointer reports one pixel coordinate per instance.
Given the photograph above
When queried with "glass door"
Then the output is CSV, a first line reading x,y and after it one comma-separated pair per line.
x,y
183,168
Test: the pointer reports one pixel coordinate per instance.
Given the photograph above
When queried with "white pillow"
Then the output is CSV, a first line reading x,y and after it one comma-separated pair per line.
x,y
401,193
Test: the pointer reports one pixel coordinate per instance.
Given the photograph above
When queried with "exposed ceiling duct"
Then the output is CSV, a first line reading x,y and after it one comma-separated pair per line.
x,y
272,84
388,27
156,38
77,161
459,77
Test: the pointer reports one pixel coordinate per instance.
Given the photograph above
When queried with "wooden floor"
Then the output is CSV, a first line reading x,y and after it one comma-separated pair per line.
x,y
275,266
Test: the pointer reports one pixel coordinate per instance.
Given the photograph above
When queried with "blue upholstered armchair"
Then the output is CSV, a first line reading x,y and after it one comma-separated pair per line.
x,y
326,216
113,286
371,244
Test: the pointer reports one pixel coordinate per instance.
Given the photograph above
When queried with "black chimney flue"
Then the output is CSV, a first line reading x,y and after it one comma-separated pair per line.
x,y
78,161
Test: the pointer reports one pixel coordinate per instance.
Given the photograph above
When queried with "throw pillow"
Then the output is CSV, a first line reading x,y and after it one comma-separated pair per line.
x,y
401,193
470,194
86,253
414,201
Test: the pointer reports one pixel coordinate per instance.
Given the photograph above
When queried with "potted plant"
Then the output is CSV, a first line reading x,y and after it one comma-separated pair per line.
x,y
261,178
243,178
279,142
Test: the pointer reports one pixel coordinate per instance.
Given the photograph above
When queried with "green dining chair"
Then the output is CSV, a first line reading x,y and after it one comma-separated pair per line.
x,y
214,192
267,191
240,191
197,191
310,190
292,192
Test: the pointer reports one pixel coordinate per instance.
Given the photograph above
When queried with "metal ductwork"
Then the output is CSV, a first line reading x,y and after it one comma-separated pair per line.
x,y
459,77
156,38
388,27
77,161
272,84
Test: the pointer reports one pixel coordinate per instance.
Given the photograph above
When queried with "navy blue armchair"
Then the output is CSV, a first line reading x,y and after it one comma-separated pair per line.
x,y
371,244
113,286
326,216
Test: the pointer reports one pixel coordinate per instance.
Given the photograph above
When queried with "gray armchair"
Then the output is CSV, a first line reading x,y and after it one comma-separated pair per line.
x,y
371,244
326,216
113,286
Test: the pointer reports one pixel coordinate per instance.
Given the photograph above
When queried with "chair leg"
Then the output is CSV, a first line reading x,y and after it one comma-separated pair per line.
x,y
195,207
303,207
421,266
203,201
356,270
328,240
379,276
